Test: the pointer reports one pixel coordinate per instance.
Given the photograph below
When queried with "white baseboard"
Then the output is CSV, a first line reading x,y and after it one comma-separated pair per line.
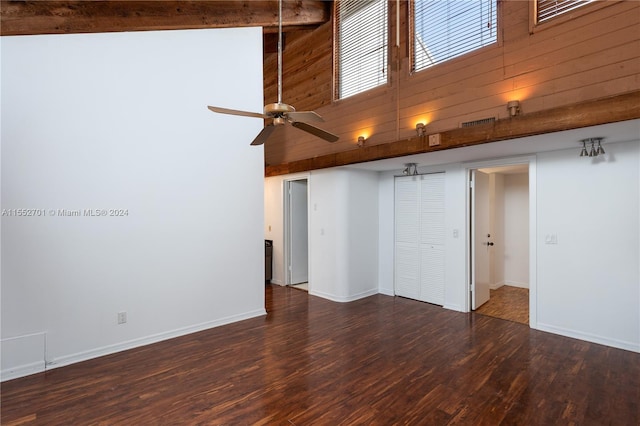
x,y
22,355
456,308
386,291
341,299
496,286
25,370
516,284
22,371
593,338
279,282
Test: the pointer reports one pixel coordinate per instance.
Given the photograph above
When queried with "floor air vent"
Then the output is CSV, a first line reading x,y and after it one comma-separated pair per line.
x,y
478,122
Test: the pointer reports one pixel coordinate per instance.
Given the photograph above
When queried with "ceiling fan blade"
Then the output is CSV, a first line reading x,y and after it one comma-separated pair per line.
x,y
236,112
329,137
263,135
305,116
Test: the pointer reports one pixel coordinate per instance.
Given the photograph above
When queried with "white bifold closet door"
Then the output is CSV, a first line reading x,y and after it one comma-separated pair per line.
x,y
419,237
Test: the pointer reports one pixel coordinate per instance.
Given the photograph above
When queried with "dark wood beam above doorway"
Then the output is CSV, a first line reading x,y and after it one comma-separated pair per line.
x,y
68,17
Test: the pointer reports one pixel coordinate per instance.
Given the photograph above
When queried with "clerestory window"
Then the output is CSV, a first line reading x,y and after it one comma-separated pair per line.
x,y
361,45
445,29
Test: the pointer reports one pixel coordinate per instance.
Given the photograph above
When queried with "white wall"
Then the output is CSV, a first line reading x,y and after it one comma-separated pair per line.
x,y
386,229
588,283
515,230
119,121
586,286
343,232
362,233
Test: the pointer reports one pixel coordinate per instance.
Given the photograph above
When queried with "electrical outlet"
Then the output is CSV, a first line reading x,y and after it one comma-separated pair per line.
x,y
122,317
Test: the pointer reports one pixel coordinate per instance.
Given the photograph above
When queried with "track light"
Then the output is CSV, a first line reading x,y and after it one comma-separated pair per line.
x,y
420,129
594,151
407,169
584,152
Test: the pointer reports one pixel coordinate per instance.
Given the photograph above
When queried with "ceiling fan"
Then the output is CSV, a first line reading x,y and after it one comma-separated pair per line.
x,y
279,112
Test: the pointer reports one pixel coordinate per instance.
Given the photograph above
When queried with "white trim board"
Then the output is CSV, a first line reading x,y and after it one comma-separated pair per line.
x,y
32,368
593,338
342,299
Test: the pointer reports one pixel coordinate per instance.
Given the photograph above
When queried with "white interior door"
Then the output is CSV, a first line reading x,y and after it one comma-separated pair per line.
x,y
298,232
419,237
480,238
407,233
432,238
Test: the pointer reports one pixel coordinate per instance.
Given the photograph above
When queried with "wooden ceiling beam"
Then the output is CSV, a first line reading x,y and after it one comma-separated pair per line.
x,y
82,16
590,113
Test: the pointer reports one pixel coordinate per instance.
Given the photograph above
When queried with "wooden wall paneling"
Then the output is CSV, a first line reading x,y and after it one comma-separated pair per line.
x,y
307,70
588,113
513,21
586,59
456,71
521,58
442,95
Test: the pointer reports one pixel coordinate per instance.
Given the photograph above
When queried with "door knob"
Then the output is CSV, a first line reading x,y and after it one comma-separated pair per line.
x,y
489,243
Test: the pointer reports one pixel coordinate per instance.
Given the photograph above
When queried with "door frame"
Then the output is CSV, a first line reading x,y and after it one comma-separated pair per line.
x,y
531,161
286,208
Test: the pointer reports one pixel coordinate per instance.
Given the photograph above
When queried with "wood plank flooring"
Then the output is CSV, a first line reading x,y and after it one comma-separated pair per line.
x,y
509,303
377,361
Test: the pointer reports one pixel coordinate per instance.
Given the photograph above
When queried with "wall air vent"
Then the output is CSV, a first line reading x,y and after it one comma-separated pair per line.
x,y
478,122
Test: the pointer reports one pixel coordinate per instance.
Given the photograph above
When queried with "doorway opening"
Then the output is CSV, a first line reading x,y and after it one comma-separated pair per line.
x,y
499,230
296,233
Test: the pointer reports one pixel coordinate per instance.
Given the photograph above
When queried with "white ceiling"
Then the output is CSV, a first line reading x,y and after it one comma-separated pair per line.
x,y
624,131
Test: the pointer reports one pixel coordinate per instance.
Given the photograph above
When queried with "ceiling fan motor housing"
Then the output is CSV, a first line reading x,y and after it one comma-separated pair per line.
x,y
277,109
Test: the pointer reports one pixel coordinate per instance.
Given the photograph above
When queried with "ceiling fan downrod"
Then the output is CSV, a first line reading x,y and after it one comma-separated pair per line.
x,y
279,51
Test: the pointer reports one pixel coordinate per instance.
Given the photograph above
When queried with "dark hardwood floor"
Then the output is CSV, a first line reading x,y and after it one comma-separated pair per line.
x,y
376,361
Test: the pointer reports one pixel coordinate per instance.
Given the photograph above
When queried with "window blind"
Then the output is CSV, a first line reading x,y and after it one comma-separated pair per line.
x,y
445,29
361,46
547,9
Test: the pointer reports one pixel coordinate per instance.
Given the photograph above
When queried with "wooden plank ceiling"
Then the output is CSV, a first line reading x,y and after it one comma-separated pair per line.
x,y
82,16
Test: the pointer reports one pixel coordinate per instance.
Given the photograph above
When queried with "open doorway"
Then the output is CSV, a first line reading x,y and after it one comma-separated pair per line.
x,y
499,241
296,233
